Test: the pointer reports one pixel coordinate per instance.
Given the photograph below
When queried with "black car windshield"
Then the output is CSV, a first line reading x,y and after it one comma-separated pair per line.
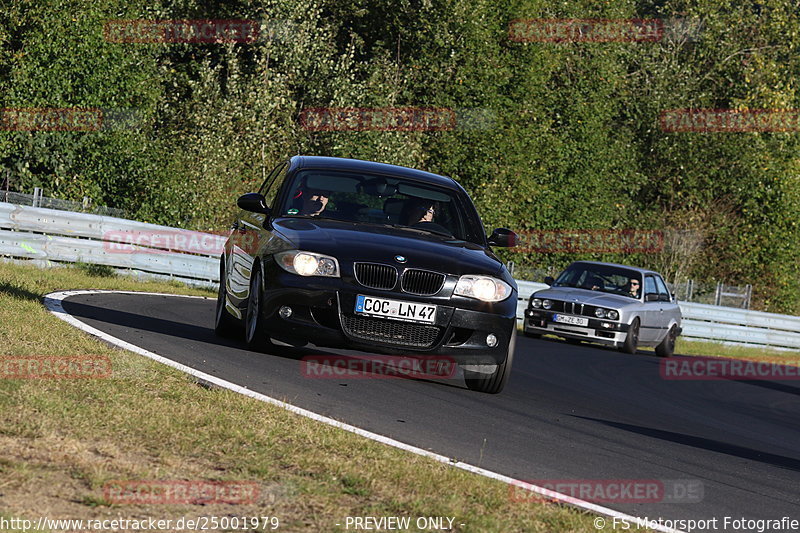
x,y
604,278
377,199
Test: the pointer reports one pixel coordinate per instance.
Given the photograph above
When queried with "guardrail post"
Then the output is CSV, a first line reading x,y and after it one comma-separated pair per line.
x,y
718,293
37,197
7,183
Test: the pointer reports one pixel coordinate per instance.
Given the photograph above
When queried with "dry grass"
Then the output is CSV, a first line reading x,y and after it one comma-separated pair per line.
x,y
62,440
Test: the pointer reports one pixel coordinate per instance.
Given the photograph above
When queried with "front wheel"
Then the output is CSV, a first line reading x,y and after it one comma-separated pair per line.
x,y
667,346
225,325
256,335
632,339
493,383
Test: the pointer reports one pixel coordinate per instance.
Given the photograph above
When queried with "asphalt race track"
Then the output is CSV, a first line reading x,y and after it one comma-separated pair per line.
x,y
568,413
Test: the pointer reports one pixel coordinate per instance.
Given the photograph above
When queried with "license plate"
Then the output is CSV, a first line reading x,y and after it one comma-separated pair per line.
x,y
574,320
396,309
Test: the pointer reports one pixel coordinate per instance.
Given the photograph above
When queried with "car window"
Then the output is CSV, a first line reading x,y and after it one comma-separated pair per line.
x,y
649,285
662,288
271,185
387,200
598,277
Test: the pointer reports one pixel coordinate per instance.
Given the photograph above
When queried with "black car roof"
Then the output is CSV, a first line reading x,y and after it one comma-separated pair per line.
x,y
340,163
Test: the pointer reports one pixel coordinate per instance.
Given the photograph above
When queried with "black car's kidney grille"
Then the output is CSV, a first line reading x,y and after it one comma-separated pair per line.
x,y
376,276
390,331
422,282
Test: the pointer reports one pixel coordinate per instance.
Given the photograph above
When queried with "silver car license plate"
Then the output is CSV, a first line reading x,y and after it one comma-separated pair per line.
x,y
573,320
396,309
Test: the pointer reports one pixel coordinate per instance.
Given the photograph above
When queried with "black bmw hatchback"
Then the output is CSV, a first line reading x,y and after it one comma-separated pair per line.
x,y
354,254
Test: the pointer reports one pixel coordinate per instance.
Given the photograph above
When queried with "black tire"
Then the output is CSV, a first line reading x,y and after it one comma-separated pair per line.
x,y
493,383
225,324
667,346
255,331
632,339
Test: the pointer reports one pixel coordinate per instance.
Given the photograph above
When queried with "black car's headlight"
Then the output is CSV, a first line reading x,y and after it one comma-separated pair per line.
x,y
536,303
483,288
308,263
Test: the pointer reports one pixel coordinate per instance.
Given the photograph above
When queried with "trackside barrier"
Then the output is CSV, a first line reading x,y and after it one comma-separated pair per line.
x,y
45,235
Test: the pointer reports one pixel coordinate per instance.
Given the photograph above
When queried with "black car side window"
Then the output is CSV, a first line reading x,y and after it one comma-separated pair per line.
x,y
271,185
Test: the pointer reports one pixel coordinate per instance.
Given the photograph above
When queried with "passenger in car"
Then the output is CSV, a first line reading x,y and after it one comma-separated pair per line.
x,y
593,283
312,202
417,211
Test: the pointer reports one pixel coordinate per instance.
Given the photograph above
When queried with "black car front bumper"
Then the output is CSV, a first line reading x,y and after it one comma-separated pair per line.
x,y
323,314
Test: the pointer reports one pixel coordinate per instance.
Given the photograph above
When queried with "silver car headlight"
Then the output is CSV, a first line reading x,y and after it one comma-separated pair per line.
x,y
612,315
308,263
536,303
600,312
483,288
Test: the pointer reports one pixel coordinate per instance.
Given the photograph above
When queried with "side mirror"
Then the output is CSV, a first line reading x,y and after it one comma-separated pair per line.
x,y
253,202
651,297
664,298
503,237
549,280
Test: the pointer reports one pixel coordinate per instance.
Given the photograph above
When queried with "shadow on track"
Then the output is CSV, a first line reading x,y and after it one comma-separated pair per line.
x,y
781,461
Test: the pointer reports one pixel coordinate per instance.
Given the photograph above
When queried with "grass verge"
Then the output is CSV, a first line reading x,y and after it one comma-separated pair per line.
x,y
62,440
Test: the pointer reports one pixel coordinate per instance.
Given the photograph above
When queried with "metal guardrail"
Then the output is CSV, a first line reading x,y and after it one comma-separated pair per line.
x,y
150,250
137,247
37,199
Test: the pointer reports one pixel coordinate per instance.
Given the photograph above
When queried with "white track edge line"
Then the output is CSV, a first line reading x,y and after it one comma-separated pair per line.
x,y
53,302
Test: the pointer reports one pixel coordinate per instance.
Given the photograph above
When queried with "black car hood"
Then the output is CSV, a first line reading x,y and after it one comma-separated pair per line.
x,y
349,241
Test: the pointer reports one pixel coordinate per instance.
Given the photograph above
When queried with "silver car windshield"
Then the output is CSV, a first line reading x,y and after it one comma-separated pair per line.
x,y
603,278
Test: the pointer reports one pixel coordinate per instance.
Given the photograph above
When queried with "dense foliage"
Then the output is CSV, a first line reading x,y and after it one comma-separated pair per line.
x,y
562,135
